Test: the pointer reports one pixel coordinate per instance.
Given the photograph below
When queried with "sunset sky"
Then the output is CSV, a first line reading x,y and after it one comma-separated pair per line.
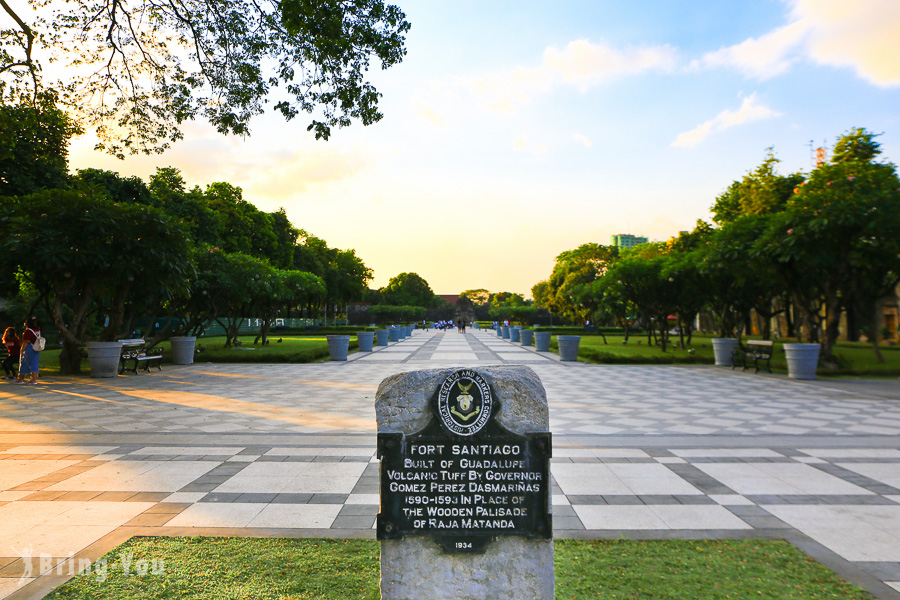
x,y
515,130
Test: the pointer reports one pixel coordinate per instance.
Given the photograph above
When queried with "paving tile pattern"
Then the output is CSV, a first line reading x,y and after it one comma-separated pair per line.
x,y
289,449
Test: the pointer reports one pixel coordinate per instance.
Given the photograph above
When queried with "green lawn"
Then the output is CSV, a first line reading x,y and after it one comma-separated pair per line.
x,y
855,358
198,568
291,349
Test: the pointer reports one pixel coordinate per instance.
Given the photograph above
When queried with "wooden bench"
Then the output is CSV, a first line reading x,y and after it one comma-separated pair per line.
x,y
134,350
756,351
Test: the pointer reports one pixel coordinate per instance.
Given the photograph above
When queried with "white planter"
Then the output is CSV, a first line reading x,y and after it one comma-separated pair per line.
x,y
183,350
802,360
722,350
104,358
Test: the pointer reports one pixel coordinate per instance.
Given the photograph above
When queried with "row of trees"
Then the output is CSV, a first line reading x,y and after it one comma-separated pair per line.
x,y
811,247
97,251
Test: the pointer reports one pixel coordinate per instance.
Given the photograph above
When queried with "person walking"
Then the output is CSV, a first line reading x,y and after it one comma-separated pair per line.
x,y
28,365
13,349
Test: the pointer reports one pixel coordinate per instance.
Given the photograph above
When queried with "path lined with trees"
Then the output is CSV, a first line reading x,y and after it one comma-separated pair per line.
x,y
812,248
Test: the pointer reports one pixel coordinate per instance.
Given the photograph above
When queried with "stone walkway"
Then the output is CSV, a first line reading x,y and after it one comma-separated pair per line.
x,y
288,450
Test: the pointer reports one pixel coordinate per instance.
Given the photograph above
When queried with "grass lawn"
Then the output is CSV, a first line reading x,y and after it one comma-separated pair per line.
x,y
281,569
855,358
291,349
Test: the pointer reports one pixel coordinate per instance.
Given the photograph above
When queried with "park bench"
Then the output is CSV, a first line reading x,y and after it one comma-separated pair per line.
x,y
756,351
135,351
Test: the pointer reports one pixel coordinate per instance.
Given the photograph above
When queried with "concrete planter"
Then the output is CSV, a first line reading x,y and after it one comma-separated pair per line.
x,y
183,350
514,334
505,332
365,339
393,334
802,360
104,358
722,350
499,331
568,347
542,341
338,346
381,337
527,337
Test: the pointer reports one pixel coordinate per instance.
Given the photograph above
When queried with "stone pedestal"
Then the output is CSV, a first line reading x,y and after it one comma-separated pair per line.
x,y
512,566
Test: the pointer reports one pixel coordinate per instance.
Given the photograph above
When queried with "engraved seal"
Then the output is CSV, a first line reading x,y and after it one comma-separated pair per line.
x,y
464,402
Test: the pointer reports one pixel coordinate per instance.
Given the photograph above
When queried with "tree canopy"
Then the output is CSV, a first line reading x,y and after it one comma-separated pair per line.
x,y
135,72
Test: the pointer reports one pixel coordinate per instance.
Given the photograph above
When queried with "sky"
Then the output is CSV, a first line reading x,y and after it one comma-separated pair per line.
x,y
516,130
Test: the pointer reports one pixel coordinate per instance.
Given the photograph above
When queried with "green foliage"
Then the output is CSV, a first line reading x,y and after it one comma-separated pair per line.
x,y
135,72
387,313
478,296
34,140
760,192
408,289
125,190
93,256
569,290
856,145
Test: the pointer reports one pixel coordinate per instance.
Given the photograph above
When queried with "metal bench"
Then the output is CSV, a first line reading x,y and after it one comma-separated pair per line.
x,y
757,350
134,351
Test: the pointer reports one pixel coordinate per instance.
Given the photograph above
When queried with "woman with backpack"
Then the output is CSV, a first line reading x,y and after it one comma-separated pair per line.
x,y
32,344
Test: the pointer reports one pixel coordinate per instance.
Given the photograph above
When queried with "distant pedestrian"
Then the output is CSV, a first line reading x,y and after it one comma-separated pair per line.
x,y
14,349
28,364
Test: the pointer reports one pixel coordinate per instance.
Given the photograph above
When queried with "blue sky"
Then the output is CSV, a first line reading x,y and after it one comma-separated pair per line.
x,y
516,130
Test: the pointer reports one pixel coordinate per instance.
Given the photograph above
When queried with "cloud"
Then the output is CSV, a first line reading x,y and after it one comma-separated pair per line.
x,y
862,35
762,57
748,112
582,64
521,144
583,140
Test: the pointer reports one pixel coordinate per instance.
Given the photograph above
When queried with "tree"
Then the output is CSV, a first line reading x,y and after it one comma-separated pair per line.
x,y
645,285
569,286
478,296
408,289
762,191
841,225
127,190
285,288
136,72
170,193
88,256
34,139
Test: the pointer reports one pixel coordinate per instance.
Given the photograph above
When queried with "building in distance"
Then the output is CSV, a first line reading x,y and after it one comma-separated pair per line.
x,y
626,240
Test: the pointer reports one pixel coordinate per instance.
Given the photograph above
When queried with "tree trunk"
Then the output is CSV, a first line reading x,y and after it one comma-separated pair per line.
x,y
70,358
874,337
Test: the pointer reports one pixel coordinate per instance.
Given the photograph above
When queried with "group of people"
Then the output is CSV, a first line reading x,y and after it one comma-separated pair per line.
x,y
22,357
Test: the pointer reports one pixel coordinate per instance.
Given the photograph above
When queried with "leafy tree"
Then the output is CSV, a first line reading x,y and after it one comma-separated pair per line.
x,y
408,289
570,291
189,207
90,256
842,224
135,72
478,296
644,283
127,190
284,289
760,192
507,299
34,139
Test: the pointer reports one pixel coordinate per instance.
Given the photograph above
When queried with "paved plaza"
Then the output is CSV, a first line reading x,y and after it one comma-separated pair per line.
x,y
289,450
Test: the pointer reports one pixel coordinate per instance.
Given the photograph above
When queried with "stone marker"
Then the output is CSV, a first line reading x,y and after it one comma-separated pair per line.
x,y
465,485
